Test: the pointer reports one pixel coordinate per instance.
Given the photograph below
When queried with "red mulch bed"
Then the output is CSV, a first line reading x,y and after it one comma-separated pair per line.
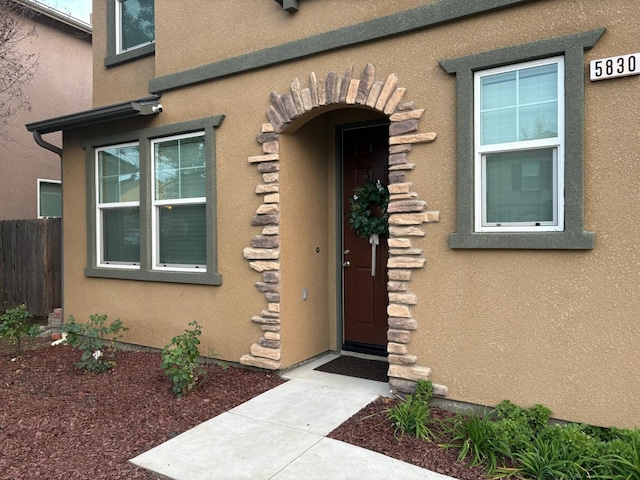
x,y
370,429
57,422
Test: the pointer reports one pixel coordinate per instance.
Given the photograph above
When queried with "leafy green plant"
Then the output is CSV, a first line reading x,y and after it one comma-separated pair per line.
x,y
14,326
180,360
96,340
411,415
624,466
475,436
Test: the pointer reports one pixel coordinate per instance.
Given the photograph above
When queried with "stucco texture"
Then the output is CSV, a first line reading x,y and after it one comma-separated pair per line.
x,y
553,327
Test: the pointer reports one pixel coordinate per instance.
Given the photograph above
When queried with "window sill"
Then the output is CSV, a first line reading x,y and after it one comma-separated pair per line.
x,y
541,241
130,56
200,278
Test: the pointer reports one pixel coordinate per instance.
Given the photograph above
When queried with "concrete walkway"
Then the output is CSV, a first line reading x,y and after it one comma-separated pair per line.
x,y
280,435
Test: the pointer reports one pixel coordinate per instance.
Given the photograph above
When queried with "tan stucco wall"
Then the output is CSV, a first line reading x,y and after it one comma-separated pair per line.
x,y
552,327
61,85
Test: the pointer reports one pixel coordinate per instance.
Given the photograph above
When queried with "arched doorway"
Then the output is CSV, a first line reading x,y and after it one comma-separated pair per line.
x,y
408,213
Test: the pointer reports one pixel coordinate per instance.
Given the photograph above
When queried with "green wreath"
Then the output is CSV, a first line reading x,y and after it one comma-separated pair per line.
x,y
361,218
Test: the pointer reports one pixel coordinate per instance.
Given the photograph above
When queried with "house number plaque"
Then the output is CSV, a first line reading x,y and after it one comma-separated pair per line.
x,y
613,67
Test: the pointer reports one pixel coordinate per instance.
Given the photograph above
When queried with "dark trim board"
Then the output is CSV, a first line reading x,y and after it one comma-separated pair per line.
x,y
419,18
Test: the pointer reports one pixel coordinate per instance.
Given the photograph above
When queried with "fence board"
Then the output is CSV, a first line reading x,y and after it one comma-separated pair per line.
x,y
31,264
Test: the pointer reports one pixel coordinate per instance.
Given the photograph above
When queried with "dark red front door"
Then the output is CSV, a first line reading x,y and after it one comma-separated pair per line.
x,y
365,159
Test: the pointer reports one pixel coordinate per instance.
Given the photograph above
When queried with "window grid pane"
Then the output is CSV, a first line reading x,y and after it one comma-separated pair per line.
x,y
180,171
119,174
137,24
121,235
182,235
50,199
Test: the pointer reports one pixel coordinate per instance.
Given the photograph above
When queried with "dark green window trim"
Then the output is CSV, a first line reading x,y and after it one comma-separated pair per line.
x,y
113,58
574,236
426,16
144,137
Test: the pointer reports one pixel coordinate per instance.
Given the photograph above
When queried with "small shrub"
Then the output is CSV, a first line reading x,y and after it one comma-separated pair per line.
x,y
180,360
412,414
96,340
14,326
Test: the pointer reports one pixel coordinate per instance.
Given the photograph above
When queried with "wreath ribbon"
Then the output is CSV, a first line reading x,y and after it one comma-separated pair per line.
x,y
374,240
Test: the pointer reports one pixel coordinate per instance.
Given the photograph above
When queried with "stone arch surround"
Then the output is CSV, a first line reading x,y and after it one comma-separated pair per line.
x,y
408,213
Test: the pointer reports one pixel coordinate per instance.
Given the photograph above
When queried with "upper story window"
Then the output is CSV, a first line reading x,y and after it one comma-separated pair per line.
x,y
134,24
519,155
131,31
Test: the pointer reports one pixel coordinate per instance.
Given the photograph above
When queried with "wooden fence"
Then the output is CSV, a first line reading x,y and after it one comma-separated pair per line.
x,y
31,264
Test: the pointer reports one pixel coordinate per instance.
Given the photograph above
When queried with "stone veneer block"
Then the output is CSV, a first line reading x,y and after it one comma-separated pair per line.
x,y
406,231
290,105
258,350
252,361
352,91
270,328
396,348
408,105
415,138
273,307
387,90
400,148
313,88
263,241
322,92
403,196
267,128
271,276
395,99
268,209
268,167
406,262
397,158
396,310
408,115
330,85
374,93
260,253
399,275
404,166
407,219
402,359
271,147
278,105
261,220
365,83
269,343
406,206
262,266
397,177
399,323
433,217
401,385
272,296
296,94
272,335
414,372
307,103
272,177
406,126
404,298
271,230
275,118
268,314
267,188
398,242
399,187
267,287
272,198
396,286
346,82
398,336
265,320
264,158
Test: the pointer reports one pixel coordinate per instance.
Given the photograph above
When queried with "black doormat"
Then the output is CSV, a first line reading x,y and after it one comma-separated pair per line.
x,y
357,367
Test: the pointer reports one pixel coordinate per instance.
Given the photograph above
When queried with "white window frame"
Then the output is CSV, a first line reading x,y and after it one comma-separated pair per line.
x,y
157,204
556,143
118,30
39,201
101,207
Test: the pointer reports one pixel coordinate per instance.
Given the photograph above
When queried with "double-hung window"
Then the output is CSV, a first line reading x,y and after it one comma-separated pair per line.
x,y
118,206
152,204
135,24
179,203
519,147
49,198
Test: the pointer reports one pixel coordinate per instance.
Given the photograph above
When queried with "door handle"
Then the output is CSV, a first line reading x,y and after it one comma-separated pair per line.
x,y
346,264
